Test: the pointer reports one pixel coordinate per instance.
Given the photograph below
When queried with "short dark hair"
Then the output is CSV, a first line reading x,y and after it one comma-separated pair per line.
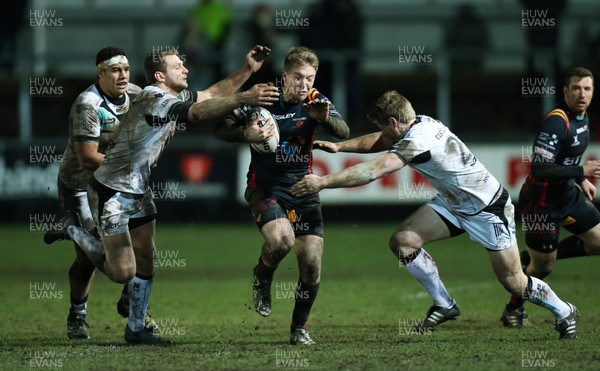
x,y
155,61
108,53
580,72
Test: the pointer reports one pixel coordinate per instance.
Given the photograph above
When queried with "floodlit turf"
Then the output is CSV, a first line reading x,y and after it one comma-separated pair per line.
x,y
361,320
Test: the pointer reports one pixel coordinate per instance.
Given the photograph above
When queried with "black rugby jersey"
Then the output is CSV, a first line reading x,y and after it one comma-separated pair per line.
x,y
557,152
293,157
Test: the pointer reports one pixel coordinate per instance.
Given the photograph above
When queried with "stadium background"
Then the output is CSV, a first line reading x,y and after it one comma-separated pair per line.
x,y
475,77
485,90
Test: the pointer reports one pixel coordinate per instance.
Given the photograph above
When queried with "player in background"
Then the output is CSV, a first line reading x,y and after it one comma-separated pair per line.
x,y
287,222
93,118
119,192
556,192
469,200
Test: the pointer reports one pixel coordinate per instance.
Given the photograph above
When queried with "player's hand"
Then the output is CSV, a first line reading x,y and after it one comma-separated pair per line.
x,y
326,146
256,134
318,109
256,56
260,95
310,184
589,190
591,169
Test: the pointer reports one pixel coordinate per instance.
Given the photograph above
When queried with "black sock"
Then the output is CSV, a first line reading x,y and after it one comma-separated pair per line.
x,y
125,292
305,297
263,271
75,301
570,247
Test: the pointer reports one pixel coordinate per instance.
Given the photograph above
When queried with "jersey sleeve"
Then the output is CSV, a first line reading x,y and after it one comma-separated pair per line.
x,y
86,123
408,150
546,150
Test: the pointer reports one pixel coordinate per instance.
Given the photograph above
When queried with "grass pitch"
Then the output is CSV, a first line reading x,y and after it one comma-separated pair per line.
x,y
361,320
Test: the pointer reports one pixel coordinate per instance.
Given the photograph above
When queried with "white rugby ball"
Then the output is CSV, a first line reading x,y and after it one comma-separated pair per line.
x,y
265,118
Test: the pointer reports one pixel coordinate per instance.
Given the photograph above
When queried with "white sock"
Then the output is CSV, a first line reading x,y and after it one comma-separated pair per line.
x,y
539,293
423,268
91,246
139,295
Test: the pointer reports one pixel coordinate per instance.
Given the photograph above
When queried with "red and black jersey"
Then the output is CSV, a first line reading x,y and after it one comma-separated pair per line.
x,y
556,156
293,157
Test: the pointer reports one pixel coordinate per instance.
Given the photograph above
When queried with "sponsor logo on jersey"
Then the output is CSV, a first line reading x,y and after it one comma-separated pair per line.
x,y
576,142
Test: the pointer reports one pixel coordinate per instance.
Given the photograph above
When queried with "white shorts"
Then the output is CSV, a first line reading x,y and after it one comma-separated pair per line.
x,y
493,227
112,209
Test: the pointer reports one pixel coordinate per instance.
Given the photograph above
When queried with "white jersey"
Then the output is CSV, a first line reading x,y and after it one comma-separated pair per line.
x,y
92,118
140,139
434,151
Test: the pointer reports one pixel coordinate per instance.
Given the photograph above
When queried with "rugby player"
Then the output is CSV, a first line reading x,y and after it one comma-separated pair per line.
x,y
93,118
119,192
556,192
469,200
286,221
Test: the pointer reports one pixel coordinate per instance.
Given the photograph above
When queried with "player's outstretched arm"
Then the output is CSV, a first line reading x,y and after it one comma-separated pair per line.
x,y
215,108
354,176
368,143
233,82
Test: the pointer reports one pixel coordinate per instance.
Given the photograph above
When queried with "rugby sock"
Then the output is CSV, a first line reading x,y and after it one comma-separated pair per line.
x,y
305,297
570,247
539,293
423,268
78,305
515,302
139,289
263,271
91,246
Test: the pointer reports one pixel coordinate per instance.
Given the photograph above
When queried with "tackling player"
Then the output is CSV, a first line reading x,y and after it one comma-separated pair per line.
x,y
469,200
556,193
119,192
286,221
93,118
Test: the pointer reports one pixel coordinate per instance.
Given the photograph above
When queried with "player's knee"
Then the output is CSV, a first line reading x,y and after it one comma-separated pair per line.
x,y
122,274
283,242
404,242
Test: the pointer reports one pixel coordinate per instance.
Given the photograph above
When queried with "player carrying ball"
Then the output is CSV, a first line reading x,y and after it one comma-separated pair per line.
x,y
287,222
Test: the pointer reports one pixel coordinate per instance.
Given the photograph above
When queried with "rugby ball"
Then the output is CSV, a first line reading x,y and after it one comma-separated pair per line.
x,y
265,118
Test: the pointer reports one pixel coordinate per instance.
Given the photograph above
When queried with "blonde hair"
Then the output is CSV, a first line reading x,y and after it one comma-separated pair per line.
x,y
391,104
300,55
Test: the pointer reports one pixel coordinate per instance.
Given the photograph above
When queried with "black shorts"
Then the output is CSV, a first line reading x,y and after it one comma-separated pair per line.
x,y
304,213
541,225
